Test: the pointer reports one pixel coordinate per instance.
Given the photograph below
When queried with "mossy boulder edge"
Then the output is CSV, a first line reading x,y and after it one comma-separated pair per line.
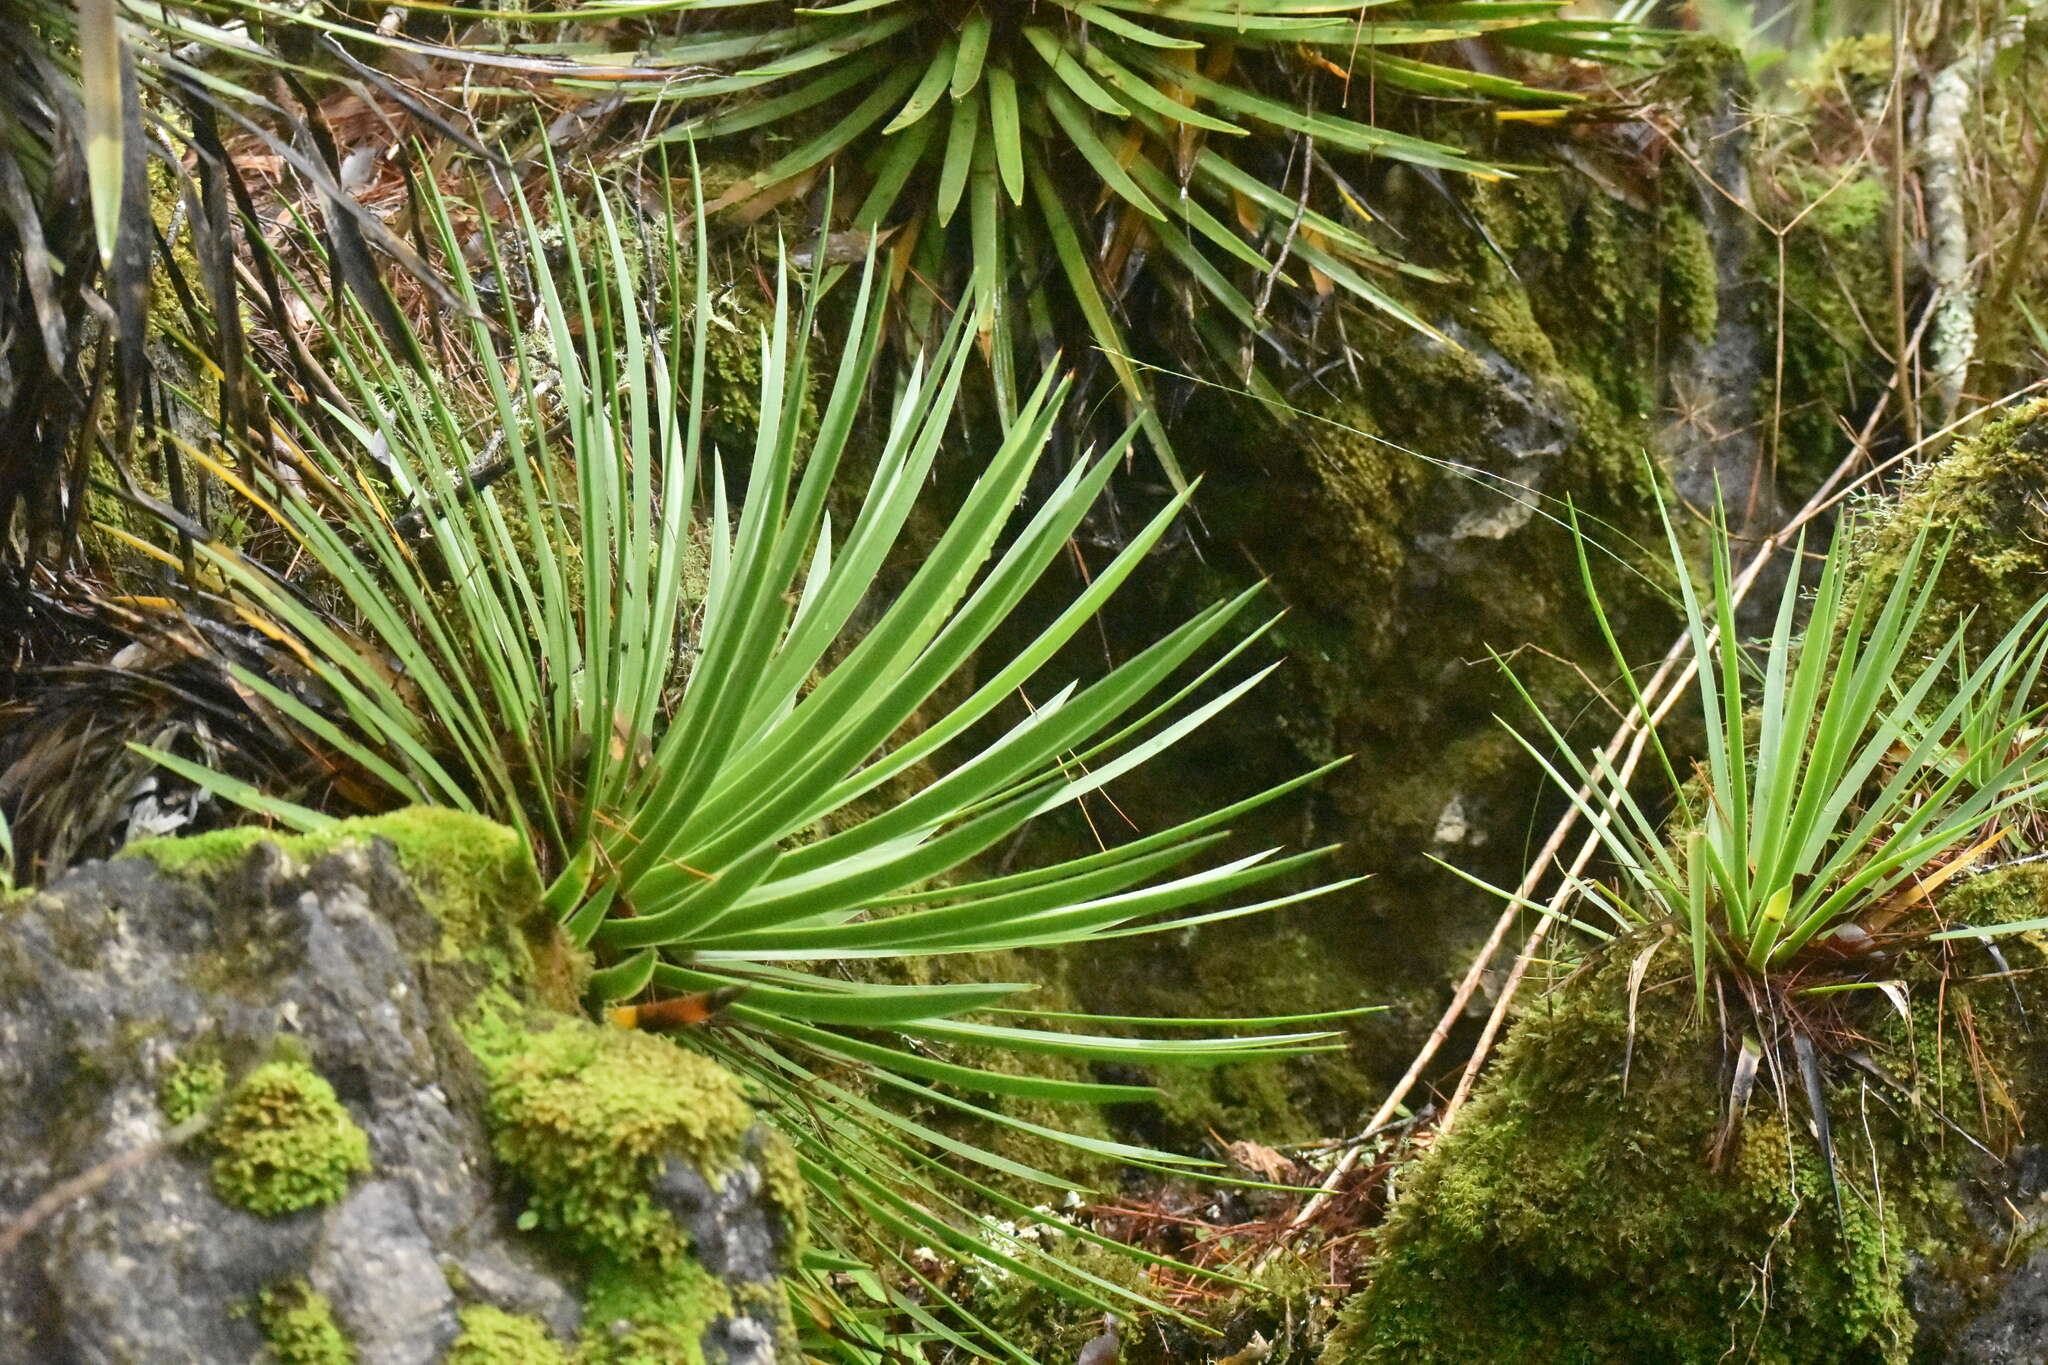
x,y
374,1030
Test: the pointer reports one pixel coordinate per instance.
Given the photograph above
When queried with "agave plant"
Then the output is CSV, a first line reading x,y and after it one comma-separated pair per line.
x,y
591,637
1840,787
1077,138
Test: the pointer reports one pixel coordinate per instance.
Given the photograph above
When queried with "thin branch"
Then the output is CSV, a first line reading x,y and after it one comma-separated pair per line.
x,y
64,1193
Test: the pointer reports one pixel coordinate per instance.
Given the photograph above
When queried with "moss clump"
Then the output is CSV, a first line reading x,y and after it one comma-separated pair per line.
x,y
585,1116
298,1322
191,1086
1990,494
1570,1218
285,1143
1699,70
634,1315
1566,1219
491,1336
1691,277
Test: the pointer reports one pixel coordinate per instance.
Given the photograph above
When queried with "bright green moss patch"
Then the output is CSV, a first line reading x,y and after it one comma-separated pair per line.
x,y
491,1336
467,867
285,1143
190,1086
585,1115
299,1324
204,856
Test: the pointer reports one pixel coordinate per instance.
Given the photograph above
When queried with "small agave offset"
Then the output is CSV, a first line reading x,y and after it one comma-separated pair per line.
x,y
1851,769
660,683
1076,139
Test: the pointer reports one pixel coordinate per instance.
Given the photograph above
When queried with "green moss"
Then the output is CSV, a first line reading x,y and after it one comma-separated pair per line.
x,y
1697,70
637,1315
584,1116
1863,65
299,1324
1837,286
203,857
491,1336
1567,1220
285,1143
1571,1218
1691,277
581,1116
468,866
782,1182
190,1086
1989,494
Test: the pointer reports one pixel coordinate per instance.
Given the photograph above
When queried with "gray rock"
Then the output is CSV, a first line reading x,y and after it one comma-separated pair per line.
x,y
1991,1308
117,970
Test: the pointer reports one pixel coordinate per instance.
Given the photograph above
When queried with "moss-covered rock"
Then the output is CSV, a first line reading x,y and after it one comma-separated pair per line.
x,y
629,1151
1987,500
1589,1207
648,1315
585,1117
1836,281
473,875
306,994
1410,518
1569,1219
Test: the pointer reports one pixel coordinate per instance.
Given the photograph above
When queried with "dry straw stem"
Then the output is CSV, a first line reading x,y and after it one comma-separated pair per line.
x,y
65,1193
1673,676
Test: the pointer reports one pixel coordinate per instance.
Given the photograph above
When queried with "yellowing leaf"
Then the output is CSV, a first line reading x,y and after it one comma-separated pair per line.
x,y
100,58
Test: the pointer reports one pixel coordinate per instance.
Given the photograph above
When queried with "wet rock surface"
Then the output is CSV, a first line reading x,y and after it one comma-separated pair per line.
x,y
119,976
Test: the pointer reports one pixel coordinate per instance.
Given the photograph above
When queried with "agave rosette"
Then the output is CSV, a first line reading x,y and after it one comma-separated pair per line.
x,y
1852,767
659,681
1076,139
